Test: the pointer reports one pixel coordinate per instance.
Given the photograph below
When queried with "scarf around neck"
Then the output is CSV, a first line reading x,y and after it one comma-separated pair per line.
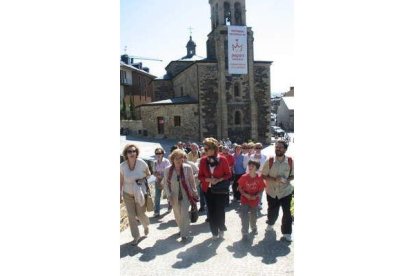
x,y
192,199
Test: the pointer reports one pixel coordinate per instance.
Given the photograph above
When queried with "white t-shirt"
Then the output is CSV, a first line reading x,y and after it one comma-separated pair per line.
x,y
138,172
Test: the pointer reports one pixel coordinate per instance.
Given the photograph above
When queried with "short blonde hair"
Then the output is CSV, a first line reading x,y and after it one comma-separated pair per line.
x,y
211,143
258,145
176,153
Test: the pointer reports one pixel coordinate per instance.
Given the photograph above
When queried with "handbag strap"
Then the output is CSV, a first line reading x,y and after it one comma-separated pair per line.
x,y
146,185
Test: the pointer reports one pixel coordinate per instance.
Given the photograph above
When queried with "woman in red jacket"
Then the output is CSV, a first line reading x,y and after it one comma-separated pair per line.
x,y
212,171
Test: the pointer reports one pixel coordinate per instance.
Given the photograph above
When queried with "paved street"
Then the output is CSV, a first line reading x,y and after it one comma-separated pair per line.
x,y
162,253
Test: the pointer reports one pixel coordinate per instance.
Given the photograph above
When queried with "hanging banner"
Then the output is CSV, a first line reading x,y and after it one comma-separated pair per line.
x,y
237,49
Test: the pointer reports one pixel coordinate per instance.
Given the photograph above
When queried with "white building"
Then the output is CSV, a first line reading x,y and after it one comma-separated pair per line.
x,y
285,114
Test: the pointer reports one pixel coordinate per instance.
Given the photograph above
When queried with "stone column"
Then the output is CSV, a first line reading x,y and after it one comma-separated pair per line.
x,y
222,130
253,103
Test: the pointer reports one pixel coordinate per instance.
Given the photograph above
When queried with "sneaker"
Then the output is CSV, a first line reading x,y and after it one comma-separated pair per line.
x,y
254,231
269,228
287,237
184,239
146,231
135,241
221,234
156,215
215,237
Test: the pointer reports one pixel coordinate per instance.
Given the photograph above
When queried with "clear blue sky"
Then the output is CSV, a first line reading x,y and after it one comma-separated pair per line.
x,y
159,29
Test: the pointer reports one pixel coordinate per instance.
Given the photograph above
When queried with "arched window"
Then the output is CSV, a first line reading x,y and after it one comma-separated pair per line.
x,y
237,118
227,14
237,14
236,90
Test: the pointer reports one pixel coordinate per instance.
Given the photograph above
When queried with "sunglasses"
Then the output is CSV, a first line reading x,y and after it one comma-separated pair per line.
x,y
131,151
158,153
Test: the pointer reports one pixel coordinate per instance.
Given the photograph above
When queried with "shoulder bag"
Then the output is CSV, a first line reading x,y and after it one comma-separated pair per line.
x,y
149,203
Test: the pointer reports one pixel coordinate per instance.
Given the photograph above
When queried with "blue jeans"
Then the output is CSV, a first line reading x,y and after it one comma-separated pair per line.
x,y
157,200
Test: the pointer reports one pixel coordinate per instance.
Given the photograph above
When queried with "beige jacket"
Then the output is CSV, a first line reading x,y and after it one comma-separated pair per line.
x,y
175,185
279,168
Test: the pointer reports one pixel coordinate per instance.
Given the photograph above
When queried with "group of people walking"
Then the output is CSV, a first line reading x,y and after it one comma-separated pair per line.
x,y
205,176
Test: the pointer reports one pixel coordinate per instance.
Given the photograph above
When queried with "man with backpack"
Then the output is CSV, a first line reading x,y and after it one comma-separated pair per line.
x,y
278,172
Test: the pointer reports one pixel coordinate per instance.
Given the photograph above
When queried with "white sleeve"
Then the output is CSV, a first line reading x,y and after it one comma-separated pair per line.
x,y
246,159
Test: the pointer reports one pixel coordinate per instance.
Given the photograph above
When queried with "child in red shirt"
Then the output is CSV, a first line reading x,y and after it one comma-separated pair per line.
x,y
250,187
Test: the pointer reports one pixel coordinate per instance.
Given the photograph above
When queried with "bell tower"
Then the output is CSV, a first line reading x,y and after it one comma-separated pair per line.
x,y
227,12
223,14
191,48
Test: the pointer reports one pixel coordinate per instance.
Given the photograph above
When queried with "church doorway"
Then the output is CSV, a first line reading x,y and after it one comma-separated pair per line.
x,y
160,122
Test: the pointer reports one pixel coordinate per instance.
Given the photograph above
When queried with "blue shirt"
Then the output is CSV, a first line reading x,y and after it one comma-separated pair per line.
x,y
238,164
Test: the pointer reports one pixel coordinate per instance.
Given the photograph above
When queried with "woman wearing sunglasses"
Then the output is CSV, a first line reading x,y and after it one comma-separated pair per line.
x,y
134,172
212,171
180,188
161,163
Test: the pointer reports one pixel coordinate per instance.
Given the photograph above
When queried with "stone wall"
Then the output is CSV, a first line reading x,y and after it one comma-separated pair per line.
x,y
262,96
134,127
189,129
176,67
238,133
208,98
163,89
188,82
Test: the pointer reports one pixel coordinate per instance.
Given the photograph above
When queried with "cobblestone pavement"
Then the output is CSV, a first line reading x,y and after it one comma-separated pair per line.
x,y
162,252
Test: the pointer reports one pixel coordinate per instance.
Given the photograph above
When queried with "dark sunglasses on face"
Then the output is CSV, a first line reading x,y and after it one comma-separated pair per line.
x,y
158,153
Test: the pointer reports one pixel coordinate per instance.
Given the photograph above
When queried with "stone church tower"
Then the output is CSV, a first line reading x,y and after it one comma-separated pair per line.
x,y
198,98
239,100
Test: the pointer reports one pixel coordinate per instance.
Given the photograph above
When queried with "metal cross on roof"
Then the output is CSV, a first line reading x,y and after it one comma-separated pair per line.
x,y
190,30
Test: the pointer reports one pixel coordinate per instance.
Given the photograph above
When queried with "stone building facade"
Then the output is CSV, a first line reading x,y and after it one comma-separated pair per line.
x,y
176,118
233,106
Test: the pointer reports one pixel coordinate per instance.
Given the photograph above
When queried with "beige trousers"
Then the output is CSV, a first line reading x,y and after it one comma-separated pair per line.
x,y
182,217
134,210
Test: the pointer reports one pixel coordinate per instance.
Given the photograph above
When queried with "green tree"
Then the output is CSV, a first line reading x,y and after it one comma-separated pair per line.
x,y
123,110
132,107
